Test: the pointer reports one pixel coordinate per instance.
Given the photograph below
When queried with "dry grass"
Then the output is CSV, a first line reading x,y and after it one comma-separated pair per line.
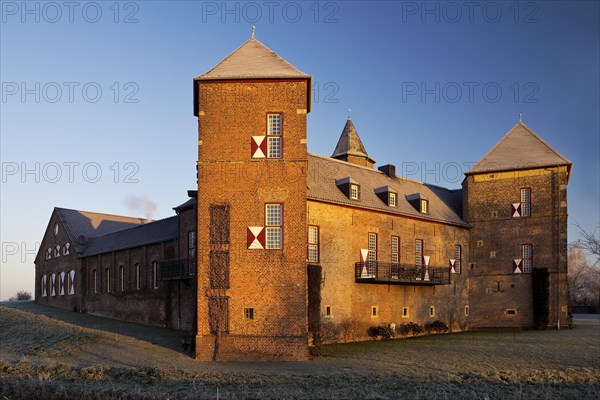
x,y
492,365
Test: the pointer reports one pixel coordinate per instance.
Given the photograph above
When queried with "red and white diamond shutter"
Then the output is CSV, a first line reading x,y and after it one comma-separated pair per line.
x,y
258,147
452,262
256,237
516,209
518,266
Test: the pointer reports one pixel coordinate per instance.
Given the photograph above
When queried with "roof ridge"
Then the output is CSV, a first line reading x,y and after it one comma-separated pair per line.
x,y
538,137
100,213
135,227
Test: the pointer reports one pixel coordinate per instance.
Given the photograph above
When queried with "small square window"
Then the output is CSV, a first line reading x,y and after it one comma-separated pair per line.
x,y
511,311
405,312
249,313
492,254
354,192
374,311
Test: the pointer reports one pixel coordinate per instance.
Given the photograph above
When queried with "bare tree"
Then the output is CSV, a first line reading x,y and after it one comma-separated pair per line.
x,y
218,318
589,243
584,275
20,296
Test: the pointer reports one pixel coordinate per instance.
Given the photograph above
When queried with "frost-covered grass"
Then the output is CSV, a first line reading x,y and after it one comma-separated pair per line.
x,y
470,365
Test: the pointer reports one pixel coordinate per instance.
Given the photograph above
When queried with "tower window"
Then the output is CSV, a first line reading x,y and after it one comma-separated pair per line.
x,y
274,222
354,192
395,250
526,202
418,253
274,135
527,255
372,243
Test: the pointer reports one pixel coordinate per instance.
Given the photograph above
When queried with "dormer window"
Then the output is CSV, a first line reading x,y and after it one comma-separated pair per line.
x,y
392,199
419,202
349,187
354,192
425,206
388,195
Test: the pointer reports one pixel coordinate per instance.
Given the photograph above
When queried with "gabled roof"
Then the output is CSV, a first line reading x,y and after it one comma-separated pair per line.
x,y
142,235
81,226
444,205
253,60
520,148
349,143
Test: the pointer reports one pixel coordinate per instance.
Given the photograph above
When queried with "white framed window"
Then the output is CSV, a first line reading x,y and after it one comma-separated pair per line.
x,y
61,284
372,243
527,255
273,222
49,253
424,206
405,312
457,259
395,250
432,311
466,311
354,191
71,282
313,244
418,253
392,200
274,133
374,311
526,202
57,251
53,284
66,249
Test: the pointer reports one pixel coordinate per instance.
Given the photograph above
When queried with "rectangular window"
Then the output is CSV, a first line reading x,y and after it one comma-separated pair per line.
x,y
395,250
372,247
154,274
457,259
274,135
418,253
527,255
274,222
95,281
424,206
405,312
392,199
191,244
354,192
138,277
107,280
328,311
526,202
511,311
248,313
432,311
313,244
467,311
122,278
374,311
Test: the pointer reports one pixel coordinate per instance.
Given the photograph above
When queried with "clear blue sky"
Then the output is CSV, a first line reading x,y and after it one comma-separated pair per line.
x,y
432,87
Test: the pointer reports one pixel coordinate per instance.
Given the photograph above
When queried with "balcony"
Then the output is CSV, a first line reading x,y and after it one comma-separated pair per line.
x,y
398,274
179,269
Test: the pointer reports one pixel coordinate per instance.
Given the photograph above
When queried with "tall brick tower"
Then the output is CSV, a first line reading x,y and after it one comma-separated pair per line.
x,y
252,173
516,200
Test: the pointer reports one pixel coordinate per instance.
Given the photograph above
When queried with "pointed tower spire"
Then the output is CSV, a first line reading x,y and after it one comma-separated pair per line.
x,y
349,147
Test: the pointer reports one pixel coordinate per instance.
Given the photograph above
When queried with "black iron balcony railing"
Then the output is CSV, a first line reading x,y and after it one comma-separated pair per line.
x,y
177,269
399,274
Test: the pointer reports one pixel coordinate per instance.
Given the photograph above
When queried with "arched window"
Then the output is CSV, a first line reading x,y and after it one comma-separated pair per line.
x,y
61,284
53,284
66,249
44,285
57,251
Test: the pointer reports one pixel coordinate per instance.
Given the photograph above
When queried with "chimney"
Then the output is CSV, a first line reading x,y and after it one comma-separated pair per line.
x,y
389,170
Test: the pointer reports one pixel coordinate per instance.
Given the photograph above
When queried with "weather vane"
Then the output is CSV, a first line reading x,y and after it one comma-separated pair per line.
x,y
349,111
253,29
520,117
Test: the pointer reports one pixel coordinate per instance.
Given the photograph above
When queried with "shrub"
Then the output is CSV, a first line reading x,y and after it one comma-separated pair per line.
x,y
381,331
21,295
436,326
411,328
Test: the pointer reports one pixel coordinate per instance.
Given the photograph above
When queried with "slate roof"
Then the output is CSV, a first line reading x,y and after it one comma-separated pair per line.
x,y
81,226
142,235
349,143
253,60
444,205
520,148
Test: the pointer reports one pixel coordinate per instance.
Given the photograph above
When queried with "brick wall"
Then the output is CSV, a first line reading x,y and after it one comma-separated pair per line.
x,y
271,282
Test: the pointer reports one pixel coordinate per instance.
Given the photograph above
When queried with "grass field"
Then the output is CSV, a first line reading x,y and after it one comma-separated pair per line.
x,y
47,353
